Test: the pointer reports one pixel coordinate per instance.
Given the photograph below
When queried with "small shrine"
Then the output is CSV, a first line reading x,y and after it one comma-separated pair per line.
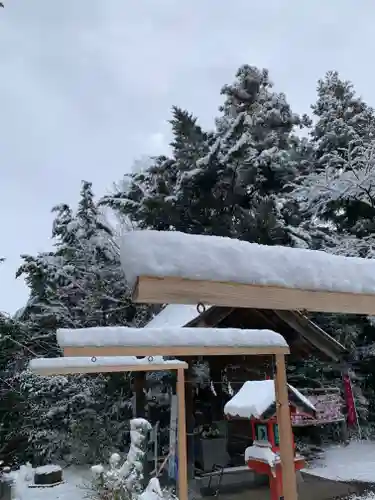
x,y
256,401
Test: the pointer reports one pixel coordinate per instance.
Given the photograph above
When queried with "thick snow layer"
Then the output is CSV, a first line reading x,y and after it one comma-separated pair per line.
x,y
168,337
47,469
355,462
41,364
263,453
213,258
174,315
254,398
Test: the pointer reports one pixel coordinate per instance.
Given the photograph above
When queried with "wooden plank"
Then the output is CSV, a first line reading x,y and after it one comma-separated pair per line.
x,y
90,351
317,337
184,291
212,317
182,446
95,368
285,434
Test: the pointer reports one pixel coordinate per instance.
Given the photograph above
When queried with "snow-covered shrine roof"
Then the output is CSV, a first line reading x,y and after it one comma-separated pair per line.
x,y
165,267
65,365
256,399
117,341
174,315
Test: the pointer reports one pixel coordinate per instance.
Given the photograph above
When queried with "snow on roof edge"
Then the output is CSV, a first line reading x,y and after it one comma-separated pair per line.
x,y
174,315
255,397
214,258
168,337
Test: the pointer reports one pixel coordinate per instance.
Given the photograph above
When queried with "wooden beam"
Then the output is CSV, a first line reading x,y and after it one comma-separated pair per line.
x,y
95,351
184,291
212,317
285,431
181,436
96,368
313,334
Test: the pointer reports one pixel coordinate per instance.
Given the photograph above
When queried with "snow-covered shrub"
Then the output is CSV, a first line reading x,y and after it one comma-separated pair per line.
x,y
125,482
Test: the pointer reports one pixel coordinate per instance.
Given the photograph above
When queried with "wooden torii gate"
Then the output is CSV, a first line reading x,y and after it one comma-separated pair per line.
x,y
114,349
179,276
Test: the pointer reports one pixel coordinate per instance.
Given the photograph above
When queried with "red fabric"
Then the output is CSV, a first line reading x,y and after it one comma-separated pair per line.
x,y
349,399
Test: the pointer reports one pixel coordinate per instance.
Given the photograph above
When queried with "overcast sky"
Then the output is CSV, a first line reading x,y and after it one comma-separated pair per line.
x,y
86,87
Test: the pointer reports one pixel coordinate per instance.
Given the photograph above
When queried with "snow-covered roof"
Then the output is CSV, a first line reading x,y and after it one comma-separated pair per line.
x,y
256,397
174,315
48,366
213,258
167,337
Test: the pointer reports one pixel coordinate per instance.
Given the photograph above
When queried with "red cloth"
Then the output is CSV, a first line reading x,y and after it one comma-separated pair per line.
x,y
349,399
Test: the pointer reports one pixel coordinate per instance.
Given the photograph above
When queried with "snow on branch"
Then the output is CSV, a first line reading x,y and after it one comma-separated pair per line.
x,y
355,180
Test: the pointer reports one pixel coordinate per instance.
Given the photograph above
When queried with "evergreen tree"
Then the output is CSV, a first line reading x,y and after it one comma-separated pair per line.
x,y
228,183
12,351
157,197
342,134
343,118
79,284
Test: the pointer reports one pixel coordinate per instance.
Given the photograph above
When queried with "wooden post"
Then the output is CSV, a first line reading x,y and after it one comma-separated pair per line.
x,y
139,394
182,452
285,431
190,421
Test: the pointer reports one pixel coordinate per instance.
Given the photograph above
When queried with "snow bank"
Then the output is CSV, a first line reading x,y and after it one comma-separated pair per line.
x,y
169,337
255,397
213,258
355,462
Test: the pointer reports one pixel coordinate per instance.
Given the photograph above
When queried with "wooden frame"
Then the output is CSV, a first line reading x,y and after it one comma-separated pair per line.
x,y
90,351
48,367
281,391
172,290
179,366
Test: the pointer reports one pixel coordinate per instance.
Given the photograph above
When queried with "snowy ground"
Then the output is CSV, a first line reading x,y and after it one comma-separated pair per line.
x,y
368,496
355,462
72,488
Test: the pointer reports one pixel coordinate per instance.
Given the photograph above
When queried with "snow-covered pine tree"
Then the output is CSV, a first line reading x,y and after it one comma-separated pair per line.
x,y
158,197
344,129
79,284
343,118
337,194
12,336
258,151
